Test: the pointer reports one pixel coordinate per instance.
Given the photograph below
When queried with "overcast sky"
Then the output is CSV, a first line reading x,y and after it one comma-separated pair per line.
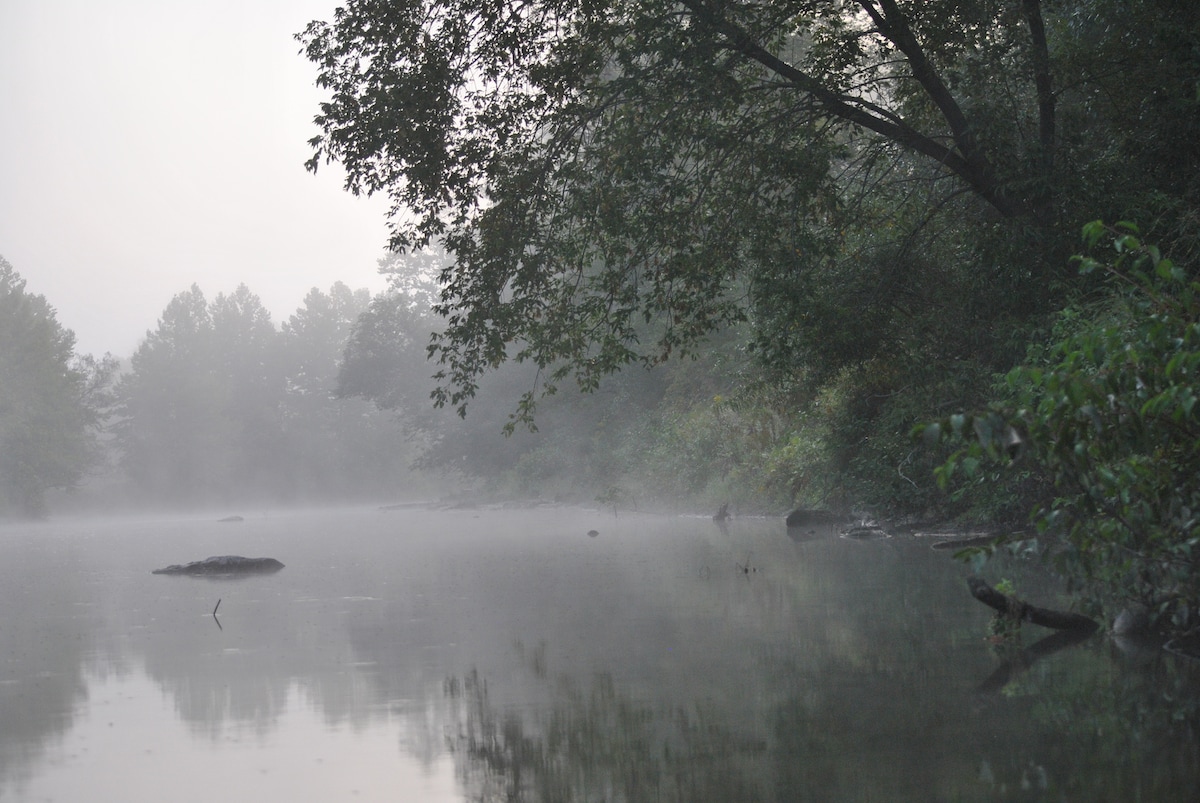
x,y
146,145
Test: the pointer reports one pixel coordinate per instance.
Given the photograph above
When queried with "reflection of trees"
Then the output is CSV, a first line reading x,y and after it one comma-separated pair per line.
x,y
597,743
1105,729
1020,660
236,676
283,642
45,638
1073,725
830,676
837,670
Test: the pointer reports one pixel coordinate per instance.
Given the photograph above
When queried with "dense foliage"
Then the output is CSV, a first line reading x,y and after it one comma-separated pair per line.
x,y
592,165
1106,421
51,400
879,196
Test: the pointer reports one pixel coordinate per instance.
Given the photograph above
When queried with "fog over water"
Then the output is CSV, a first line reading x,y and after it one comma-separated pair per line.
x,y
453,655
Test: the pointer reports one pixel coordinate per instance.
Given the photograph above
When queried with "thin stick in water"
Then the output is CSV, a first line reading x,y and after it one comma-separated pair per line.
x,y
218,605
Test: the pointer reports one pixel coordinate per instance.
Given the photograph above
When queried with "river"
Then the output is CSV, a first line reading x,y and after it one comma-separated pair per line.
x,y
551,655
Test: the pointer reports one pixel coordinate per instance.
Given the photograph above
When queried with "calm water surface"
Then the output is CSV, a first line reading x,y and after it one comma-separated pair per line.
x,y
420,655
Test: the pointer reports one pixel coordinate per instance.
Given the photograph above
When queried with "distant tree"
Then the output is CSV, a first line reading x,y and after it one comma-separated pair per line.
x,y
247,352
386,357
167,404
51,401
315,337
342,447
200,403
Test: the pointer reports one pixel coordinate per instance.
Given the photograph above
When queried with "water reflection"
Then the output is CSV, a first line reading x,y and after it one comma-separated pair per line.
x,y
594,740
127,745
1016,662
597,743
45,636
500,655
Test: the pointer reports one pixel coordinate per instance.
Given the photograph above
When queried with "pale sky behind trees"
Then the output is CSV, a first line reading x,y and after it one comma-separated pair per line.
x,y
146,145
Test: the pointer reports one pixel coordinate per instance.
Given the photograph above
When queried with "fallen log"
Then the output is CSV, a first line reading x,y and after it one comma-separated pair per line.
x,y
1024,612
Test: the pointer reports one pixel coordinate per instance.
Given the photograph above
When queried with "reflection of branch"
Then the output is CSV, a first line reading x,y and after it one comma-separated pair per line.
x,y
1009,670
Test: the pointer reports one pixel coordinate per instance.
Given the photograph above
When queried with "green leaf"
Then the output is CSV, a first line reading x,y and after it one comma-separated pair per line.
x,y
1093,232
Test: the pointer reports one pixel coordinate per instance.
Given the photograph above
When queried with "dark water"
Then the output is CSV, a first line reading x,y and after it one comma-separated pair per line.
x,y
507,655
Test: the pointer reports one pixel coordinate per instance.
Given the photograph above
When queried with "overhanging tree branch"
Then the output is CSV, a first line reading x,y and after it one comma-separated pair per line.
x,y
979,172
964,159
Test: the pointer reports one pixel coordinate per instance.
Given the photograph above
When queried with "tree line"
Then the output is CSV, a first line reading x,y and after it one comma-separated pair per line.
x,y
217,406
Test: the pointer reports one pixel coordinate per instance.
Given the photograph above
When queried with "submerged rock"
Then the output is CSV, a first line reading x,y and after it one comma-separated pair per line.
x,y
224,564
228,519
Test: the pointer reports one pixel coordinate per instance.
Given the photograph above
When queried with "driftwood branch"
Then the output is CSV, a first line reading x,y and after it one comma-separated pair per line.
x,y
1024,612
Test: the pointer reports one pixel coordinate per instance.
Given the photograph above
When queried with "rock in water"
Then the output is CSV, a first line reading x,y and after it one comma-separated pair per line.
x,y
805,517
224,564
1132,621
